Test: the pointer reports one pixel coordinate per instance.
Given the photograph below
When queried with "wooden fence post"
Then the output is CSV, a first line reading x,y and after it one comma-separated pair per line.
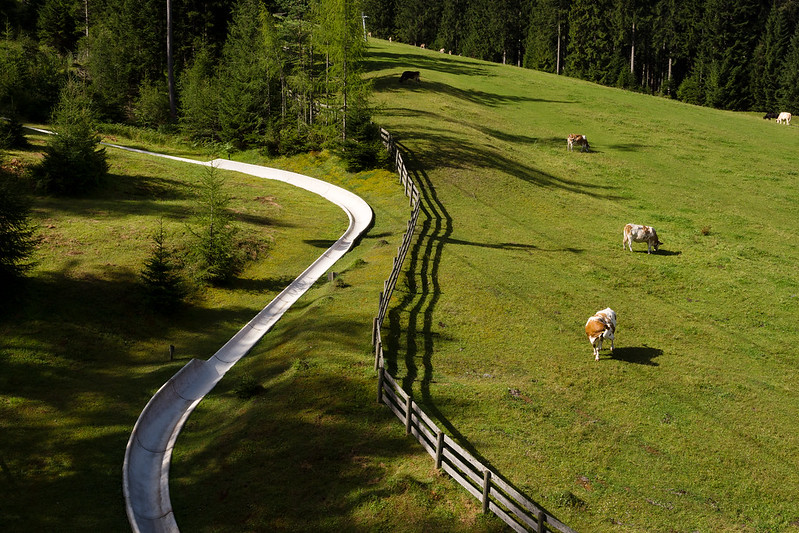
x,y
542,521
374,329
380,380
486,488
408,411
378,355
439,449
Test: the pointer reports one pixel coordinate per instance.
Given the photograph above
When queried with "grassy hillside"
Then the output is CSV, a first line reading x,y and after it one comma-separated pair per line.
x,y
81,355
692,423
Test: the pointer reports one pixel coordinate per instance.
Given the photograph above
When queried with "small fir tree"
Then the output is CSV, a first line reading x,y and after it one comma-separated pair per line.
x,y
18,238
215,252
12,134
73,164
161,275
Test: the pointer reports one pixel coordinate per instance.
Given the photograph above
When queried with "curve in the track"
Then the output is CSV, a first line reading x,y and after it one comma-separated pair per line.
x,y
149,450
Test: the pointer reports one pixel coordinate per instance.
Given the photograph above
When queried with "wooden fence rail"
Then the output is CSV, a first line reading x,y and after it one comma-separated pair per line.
x,y
496,495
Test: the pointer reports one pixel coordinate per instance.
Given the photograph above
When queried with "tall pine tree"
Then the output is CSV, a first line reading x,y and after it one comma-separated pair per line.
x,y
729,49
590,46
789,81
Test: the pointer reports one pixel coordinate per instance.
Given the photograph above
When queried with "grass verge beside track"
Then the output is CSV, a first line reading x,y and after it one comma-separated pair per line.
x,y
81,355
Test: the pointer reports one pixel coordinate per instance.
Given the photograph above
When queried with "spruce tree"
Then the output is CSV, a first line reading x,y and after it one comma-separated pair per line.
x,y
163,282
485,34
452,25
729,45
789,81
243,82
17,234
72,164
415,21
547,25
216,258
339,36
58,25
775,43
199,97
590,49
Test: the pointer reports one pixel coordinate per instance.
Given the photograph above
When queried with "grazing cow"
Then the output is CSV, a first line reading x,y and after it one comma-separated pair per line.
x,y
410,75
770,116
636,233
784,118
581,140
441,50
422,46
599,327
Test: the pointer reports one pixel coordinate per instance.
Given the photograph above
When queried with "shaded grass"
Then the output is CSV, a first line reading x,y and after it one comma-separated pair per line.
x,y
81,355
521,242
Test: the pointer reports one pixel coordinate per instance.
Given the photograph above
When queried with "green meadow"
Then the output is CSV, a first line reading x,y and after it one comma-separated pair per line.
x,y
81,355
691,424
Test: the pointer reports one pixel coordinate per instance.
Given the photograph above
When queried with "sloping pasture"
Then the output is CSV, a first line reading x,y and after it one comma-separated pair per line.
x,y
693,423
286,441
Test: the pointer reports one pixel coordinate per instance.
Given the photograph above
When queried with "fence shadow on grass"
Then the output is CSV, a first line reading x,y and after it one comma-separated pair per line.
x,y
462,462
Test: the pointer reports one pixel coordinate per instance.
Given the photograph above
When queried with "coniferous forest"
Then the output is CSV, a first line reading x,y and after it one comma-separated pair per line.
x,y
736,55
284,74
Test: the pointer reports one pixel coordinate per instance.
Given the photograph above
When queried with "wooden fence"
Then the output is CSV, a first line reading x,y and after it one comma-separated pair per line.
x,y
495,494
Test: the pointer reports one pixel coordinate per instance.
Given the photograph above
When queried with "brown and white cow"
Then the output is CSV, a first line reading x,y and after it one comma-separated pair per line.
x,y
599,327
637,233
784,118
581,140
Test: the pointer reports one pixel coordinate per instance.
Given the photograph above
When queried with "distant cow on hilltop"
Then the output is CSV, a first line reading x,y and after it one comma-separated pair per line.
x,y
784,118
410,75
771,115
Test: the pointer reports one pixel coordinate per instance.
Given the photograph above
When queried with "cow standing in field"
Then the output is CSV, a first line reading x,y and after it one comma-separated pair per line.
x,y
770,116
599,327
784,118
636,233
581,140
410,75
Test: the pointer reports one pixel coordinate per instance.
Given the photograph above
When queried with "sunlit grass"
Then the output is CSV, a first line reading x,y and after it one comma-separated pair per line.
x,y
691,424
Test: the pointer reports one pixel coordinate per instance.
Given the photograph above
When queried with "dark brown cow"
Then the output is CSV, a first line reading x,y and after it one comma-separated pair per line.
x,y
410,75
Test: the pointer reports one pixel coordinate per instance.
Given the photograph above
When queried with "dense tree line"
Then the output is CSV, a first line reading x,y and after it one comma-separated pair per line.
x,y
283,75
731,54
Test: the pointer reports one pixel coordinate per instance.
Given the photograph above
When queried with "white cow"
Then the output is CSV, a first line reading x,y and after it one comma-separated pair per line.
x,y
784,118
599,327
637,233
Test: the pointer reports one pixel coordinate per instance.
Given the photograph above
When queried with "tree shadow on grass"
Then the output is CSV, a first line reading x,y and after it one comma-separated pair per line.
x,y
443,149
387,84
640,355
385,60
